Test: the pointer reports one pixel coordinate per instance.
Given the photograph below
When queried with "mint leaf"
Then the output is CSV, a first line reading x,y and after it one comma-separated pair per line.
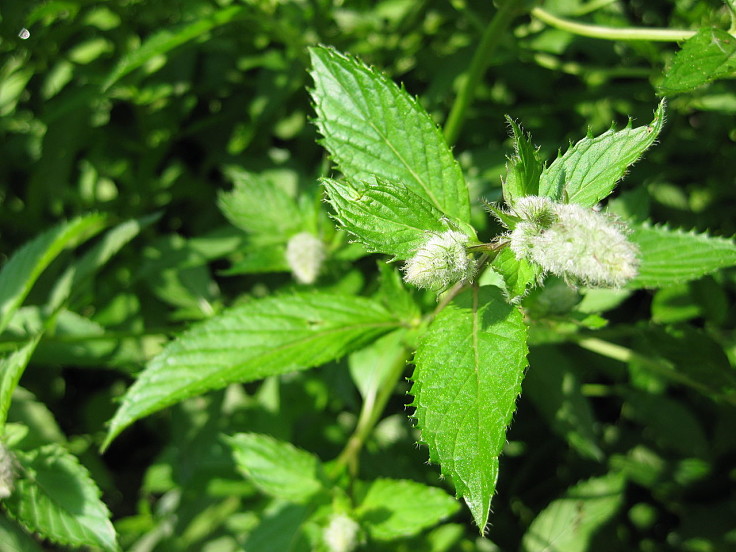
x,y
57,498
523,169
270,336
568,523
257,205
707,56
386,217
15,539
277,468
392,509
469,367
11,369
590,169
672,256
26,265
373,127
518,275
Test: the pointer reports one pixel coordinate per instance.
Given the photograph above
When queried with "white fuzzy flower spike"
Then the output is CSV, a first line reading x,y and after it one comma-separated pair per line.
x,y
305,254
341,533
574,242
440,262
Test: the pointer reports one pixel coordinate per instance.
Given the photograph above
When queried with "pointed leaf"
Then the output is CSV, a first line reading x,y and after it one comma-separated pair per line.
x,y
673,256
262,338
385,216
568,523
12,367
373,127
393,508
518,275
523,169
469,367
707,56
57,498
277,468
25,266
590,169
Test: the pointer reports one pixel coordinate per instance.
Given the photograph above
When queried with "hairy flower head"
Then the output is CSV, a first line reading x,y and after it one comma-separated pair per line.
x,y
341,533
440,261
305,253
574,242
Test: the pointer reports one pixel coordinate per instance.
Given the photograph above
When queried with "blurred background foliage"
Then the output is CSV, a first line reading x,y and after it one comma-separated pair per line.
x,y
135,107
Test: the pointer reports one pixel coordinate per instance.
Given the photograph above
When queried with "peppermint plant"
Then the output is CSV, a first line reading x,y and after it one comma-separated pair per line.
x,y
453,311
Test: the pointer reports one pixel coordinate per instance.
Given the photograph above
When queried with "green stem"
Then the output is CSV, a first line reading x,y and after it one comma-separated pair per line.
x,y
482,57
612,33
370,413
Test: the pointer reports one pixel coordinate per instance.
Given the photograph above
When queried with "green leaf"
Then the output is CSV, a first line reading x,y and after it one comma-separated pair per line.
x,y
26,265
57,498
518,275
11,369
277,468
707,56
373,127
168,39
673,256
280,529
372,365
523,169
469,367
257,205
555,390
14,539
263,338
568,523
590,169
393,509
385,216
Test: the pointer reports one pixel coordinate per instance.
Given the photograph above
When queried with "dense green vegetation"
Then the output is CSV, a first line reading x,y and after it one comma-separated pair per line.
x,y
169,173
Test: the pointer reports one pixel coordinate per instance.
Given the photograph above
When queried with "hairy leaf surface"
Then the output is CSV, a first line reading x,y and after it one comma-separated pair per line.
x,y
707,56
57,498
469,367
672,256
373,127
523,168
386,217
590,169
262,338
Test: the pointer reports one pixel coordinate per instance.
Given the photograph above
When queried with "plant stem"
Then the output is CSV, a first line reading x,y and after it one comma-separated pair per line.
x,y
482,57
370,413
612,33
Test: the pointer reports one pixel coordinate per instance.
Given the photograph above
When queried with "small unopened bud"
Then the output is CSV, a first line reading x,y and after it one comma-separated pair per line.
x,y
7,472
574,242
341,534
440,262
305,253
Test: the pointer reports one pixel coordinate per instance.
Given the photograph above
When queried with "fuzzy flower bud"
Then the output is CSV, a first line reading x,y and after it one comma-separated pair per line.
x,y
574,242
440,262
7,472
305,253
341,533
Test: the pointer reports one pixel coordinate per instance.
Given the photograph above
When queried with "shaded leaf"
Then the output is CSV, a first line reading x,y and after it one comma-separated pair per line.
x,y
12,367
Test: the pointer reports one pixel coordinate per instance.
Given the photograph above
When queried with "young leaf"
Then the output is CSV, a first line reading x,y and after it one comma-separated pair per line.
x,y
523,169
373,127
25,266
590,169
11,369
263,338
393,509
168,39
469,367
517,274
277,468
568,523
707,56
673,256
385,216
259,206
57,498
